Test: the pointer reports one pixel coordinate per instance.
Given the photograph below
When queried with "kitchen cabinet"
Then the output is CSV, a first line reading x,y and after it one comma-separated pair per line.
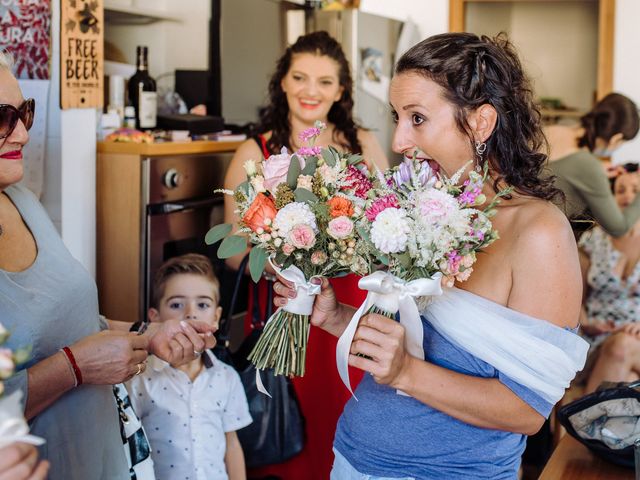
x,y
153,201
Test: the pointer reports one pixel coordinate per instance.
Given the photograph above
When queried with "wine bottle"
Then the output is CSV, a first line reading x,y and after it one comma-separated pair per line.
x,y
142,92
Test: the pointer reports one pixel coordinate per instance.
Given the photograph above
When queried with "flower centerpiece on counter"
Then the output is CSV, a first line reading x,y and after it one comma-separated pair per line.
x,y
13,426
299,211
426,229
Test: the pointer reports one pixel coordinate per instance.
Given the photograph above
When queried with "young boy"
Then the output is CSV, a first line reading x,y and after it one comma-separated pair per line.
x,y
191,413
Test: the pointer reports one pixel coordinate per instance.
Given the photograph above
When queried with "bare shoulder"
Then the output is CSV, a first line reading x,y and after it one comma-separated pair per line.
x,y
248,150
371,149
545,264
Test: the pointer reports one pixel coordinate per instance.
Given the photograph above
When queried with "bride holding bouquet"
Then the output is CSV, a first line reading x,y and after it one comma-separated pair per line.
x,y
485,382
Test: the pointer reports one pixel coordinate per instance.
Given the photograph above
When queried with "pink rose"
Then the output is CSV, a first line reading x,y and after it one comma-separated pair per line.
x,y
340,227
288,249
302,236
276,167
318,257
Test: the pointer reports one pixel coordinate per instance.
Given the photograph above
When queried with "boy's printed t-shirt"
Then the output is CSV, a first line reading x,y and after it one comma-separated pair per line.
x,y
186,421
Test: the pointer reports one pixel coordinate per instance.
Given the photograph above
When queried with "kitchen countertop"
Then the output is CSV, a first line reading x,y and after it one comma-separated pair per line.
x,y
167,148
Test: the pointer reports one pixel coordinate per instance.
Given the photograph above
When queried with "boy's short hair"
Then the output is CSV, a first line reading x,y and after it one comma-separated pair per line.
x,y
192,263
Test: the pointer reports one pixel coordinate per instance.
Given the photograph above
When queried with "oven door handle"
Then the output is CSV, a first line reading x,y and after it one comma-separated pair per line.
x,y
180,206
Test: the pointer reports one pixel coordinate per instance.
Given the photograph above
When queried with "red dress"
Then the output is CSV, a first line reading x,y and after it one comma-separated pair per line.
x,y
320,392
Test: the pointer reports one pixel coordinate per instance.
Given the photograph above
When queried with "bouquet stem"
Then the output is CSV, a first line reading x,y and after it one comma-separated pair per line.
x,y
283,344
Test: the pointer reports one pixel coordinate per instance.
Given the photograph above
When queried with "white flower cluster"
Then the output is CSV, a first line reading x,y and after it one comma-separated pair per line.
x,y
295,213
390,230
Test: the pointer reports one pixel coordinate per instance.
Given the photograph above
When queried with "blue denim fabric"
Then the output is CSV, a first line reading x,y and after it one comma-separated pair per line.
x,y
342,470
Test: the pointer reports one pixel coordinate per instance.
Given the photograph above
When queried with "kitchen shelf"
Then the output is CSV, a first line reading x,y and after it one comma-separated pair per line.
x,y
131,15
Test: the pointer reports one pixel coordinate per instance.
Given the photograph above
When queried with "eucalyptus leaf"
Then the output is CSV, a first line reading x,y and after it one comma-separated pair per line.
x,y
217,233
363,233
310,166
384,259
232,246
294,172
354,159
244,188
328,157
257,261
405,260
304,195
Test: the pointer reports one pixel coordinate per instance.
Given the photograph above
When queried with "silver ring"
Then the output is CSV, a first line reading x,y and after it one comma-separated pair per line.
x,y
197,353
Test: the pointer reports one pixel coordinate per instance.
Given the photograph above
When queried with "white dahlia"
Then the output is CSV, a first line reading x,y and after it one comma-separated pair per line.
x,y
293,214
390,230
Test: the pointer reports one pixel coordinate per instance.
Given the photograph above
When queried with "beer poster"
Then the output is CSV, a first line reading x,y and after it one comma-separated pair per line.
x,y
81,53
25,30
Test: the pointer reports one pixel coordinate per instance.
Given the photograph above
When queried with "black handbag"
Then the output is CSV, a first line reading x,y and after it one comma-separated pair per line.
x,y
604,421
277,431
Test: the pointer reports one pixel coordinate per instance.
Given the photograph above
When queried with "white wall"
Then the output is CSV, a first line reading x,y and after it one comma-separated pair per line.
x,y
626,66
70,159
431,16
562,62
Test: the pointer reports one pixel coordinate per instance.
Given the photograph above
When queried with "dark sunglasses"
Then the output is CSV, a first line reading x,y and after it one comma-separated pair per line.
x,y
9,116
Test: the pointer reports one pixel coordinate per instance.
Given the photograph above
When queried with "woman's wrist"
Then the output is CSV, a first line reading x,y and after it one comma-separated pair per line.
x,y
74,369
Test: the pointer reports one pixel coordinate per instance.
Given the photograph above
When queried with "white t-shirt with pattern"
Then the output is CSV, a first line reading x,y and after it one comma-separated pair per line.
x,y
186,421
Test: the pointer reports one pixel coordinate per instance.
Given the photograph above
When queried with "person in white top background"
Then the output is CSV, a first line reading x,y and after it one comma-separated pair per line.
x,y
191,413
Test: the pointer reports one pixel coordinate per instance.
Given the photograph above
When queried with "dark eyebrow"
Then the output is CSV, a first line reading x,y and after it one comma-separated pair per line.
x,y
413,105
199,297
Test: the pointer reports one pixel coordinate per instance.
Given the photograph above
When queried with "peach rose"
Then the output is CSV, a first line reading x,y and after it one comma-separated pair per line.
x,y
302,236
260,210
340,207
340,227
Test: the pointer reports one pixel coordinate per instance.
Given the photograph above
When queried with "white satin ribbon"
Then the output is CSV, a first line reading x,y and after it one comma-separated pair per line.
x,y
391,294
301,305
13,426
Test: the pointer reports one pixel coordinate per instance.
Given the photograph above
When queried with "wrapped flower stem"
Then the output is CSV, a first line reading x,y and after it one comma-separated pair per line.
x,y
283,344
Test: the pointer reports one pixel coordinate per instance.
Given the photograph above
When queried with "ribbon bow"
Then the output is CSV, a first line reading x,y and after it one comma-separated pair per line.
x,y
391,294
13,427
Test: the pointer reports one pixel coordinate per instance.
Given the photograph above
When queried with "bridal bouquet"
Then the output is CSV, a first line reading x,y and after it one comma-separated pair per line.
x,y
426,229
300,212
13,426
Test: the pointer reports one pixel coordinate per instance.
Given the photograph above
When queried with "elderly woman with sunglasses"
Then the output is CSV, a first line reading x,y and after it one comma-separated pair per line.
x,y
50,303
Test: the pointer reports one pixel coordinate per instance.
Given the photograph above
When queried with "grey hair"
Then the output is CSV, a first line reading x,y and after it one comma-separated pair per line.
x,y
6,61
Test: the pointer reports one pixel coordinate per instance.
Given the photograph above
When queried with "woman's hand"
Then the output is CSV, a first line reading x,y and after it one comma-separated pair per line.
x,y
381,341
19,461
631,329
326,313
179,342
110,357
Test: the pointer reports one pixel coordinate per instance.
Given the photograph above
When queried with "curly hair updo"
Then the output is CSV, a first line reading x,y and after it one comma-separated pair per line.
x,y
275,116
473,71
614,114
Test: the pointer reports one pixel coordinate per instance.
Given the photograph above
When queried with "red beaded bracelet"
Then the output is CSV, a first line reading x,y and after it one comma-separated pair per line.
x,y
74,365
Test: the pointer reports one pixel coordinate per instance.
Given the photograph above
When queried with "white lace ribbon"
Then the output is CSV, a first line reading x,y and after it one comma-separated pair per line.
x,y
13,426
391,294
302,304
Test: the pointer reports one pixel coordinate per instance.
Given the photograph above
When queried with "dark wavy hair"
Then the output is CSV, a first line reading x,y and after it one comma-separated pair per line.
x,y
473,71
615,113
275,116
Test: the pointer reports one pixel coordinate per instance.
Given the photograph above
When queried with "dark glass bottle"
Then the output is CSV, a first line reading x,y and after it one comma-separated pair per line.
x,y
142,92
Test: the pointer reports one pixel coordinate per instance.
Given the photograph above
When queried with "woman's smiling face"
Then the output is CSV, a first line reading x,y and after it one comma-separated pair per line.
x,y
426,124
312,85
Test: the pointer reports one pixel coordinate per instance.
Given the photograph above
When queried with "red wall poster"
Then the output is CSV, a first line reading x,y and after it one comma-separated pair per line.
x,y
25,29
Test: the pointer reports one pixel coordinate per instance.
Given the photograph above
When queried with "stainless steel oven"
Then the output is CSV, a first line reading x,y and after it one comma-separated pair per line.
x,y
180,206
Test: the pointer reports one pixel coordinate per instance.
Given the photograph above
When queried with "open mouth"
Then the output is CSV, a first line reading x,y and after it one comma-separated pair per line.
x,y
309,103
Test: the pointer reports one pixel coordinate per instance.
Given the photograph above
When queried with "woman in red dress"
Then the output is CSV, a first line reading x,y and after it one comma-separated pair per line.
x,y
312,82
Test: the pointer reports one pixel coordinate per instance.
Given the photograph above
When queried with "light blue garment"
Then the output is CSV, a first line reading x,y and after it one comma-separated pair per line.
x,y
385,434
343,470
51,304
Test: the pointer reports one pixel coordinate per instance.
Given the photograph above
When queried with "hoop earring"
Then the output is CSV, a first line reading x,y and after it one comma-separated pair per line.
x,y
481,147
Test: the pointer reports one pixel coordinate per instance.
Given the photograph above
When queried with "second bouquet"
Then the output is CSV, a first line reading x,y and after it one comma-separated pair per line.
x,y
299,212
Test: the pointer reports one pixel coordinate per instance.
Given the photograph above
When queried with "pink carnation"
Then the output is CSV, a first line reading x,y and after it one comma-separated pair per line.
x,y
340,227
357,181
302,236
309,151
381,204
